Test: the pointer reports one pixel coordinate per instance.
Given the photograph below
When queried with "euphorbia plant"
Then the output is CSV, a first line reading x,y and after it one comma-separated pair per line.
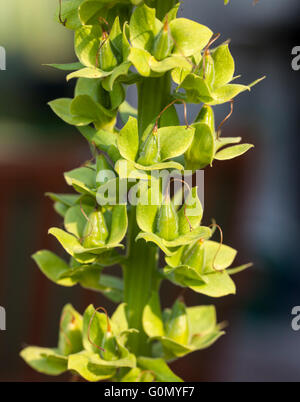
x,y
143,43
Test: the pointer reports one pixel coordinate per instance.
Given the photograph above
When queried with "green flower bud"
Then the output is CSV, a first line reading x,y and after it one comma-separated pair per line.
x,y
177,327
195,256
163,43
202,150
150,151
206,116
190,215
167,222
70,335
209,69
107,58
110,346
95,232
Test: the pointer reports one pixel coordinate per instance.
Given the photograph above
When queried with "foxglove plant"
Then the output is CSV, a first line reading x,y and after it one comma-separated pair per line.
x,y
133,42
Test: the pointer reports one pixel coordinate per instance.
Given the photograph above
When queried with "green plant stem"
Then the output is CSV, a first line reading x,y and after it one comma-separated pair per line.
x,y
153,96
140,279
140,271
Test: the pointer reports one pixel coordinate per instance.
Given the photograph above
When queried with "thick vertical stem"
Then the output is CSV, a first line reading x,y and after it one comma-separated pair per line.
x,y
140,279
140,270
153,96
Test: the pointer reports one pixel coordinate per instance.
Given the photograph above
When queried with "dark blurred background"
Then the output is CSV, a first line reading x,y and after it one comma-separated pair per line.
x,y
254,198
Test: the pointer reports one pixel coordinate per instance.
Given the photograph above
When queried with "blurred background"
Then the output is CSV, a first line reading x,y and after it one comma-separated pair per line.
x,y
254,198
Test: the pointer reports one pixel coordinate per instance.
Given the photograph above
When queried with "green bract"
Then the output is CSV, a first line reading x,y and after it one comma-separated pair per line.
x,y
180,330
103,55
158,47
209,81
91,346
90,241
91,104
89,276
168,228
122,210
90,231
207,145
55,361
203,267
154,152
